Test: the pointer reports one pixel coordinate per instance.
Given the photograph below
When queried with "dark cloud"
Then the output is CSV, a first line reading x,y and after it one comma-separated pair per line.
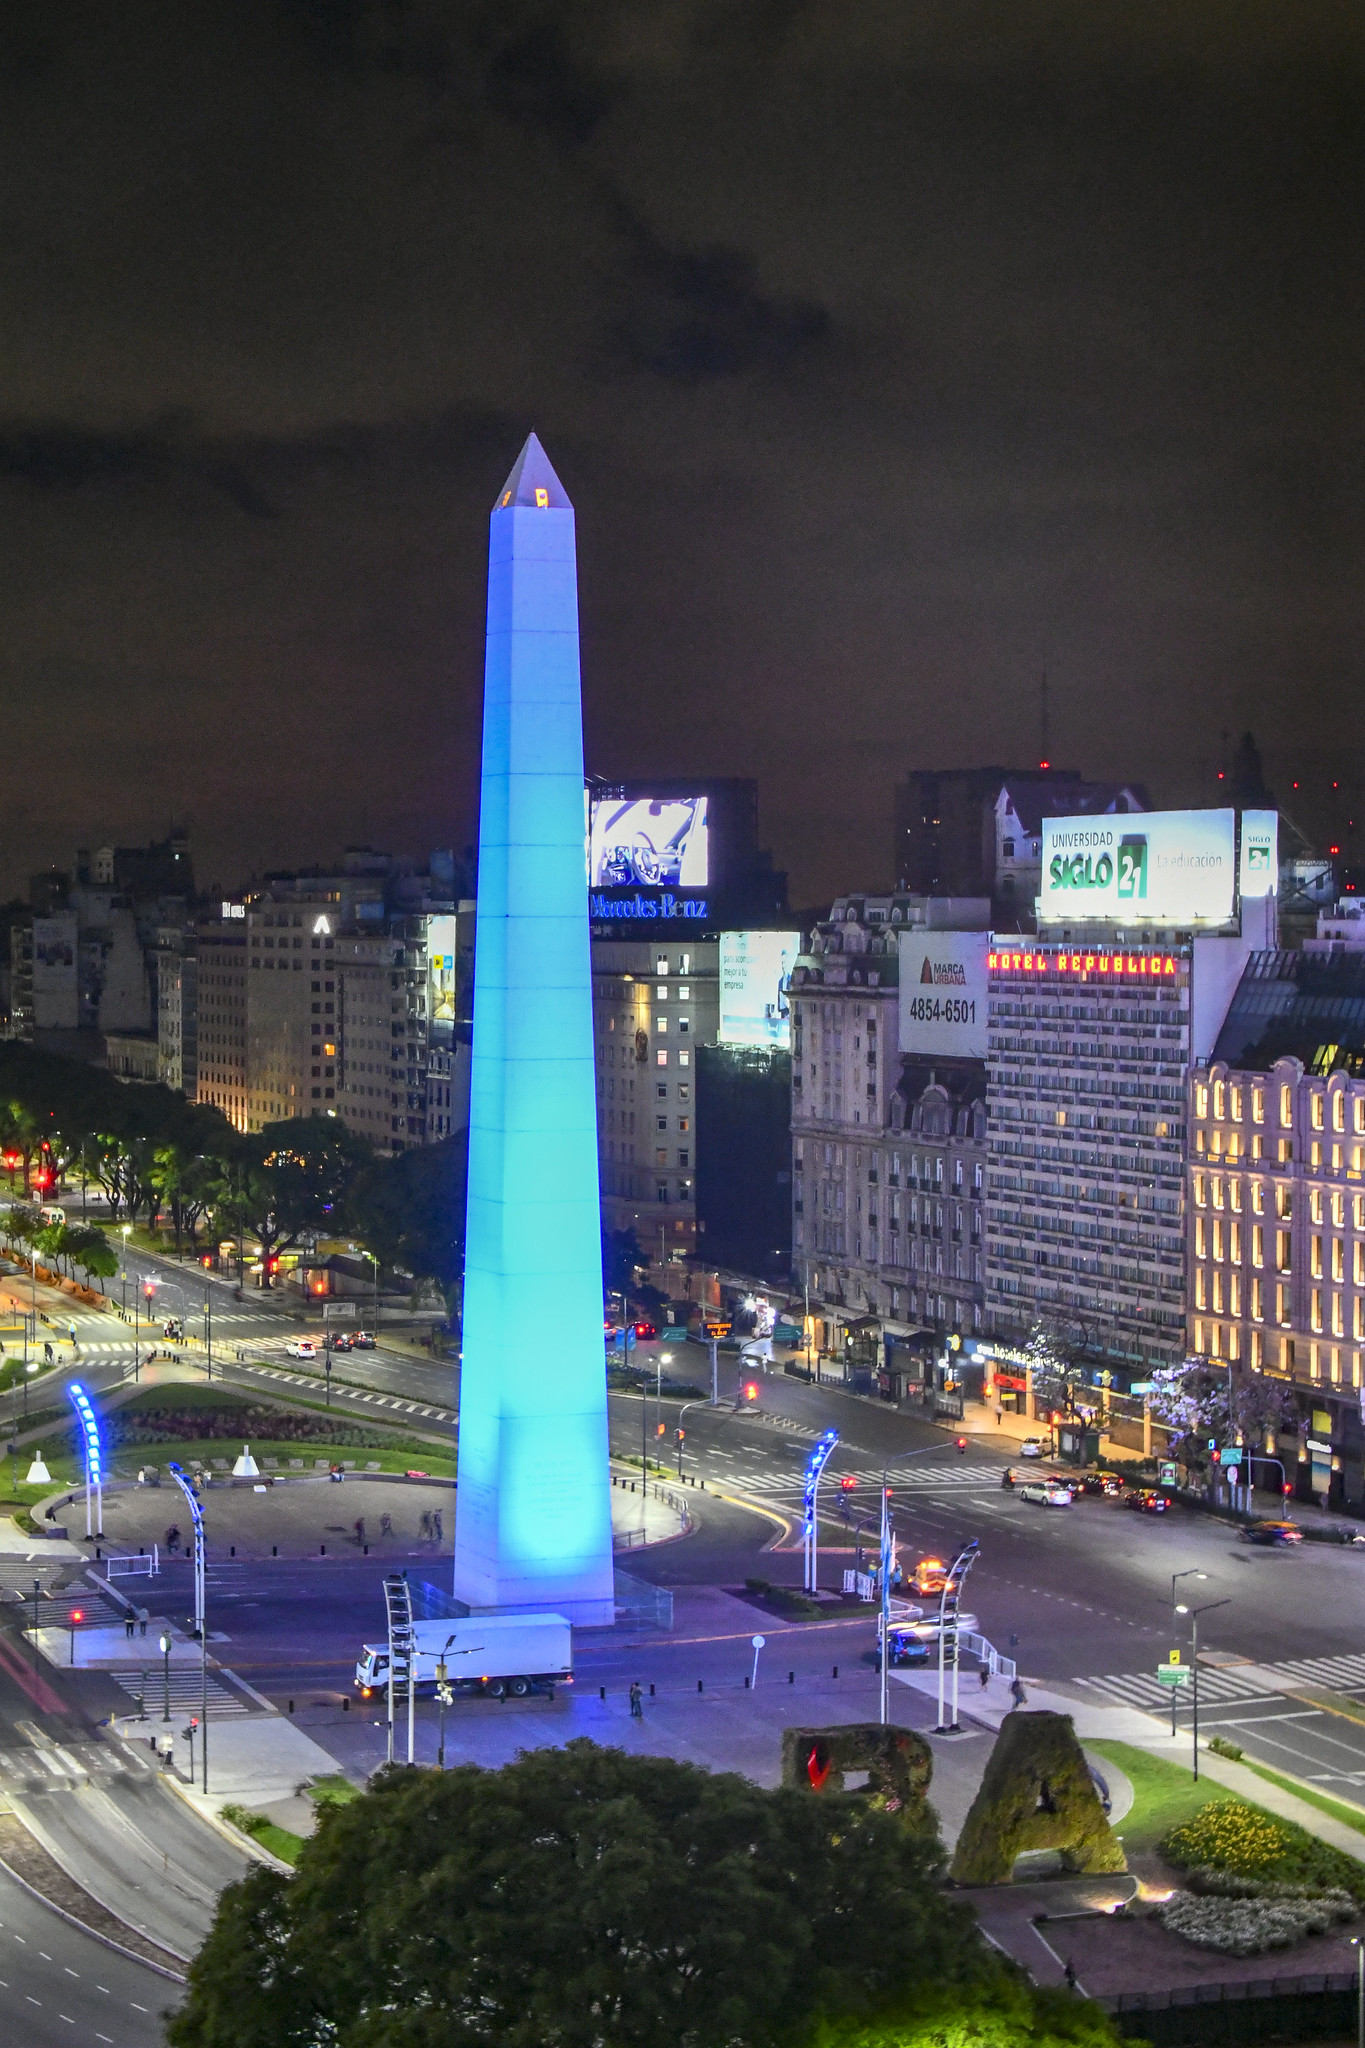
x,y
889,355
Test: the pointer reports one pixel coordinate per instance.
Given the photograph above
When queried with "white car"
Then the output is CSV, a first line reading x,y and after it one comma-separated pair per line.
x,y
1048,1493
301,1347
1031,1447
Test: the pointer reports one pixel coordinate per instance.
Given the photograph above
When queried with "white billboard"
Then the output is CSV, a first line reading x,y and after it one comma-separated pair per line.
x,y
442,955
1259,867
943,993
755,978
1143,867
648,843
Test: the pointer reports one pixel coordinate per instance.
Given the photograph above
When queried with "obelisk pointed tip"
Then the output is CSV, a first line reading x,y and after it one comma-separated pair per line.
x,y
533,481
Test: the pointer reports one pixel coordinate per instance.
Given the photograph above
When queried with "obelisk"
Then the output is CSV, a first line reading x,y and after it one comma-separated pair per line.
x,y
533,1505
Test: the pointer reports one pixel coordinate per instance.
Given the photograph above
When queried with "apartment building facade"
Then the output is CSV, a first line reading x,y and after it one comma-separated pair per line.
x,y
1276,1240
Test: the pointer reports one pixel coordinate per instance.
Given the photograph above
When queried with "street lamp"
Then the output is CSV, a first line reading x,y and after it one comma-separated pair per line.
x,y
444,1696
885,1657
1176,1576
166,1674
1194,1614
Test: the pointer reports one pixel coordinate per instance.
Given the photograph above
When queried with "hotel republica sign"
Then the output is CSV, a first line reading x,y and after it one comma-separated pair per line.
x,y
1153,867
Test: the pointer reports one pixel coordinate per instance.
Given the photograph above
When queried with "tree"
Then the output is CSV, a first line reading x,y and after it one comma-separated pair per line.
x,y
86,1246
621,1255
579,1896
1222,1399
1003,2011
410,1212
288,1181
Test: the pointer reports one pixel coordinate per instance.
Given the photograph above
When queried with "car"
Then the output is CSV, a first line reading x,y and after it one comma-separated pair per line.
x,y
907,1648
1048,1493
1145,1500
929,1576
343,1340
301,1347
1268,1532
1032,1447
1111,1484
644,1331
363,1341
927,1629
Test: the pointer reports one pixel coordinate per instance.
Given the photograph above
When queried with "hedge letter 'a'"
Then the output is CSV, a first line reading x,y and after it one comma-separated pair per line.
x,y
1037,1793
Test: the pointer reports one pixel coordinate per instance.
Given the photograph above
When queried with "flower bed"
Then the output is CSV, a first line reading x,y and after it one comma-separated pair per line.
x,y
1230,1838
1242,1926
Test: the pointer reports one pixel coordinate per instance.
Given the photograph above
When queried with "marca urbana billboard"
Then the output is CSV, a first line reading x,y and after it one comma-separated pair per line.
x,y
1144,867
943,993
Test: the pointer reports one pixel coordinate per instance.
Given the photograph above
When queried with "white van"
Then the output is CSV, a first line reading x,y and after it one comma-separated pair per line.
x,y
495,1654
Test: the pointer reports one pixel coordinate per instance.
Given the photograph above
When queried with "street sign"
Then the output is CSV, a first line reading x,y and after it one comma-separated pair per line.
x,y
1232,1455
1173,1674
759,1642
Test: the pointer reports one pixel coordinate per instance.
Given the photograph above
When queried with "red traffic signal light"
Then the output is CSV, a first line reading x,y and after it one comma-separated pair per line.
x,y
681,1434
962,1443
660,1428
751,1390
78,1614
847,1482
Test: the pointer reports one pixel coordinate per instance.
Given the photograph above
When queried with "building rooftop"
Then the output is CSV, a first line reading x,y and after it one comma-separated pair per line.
x,y
1297,1005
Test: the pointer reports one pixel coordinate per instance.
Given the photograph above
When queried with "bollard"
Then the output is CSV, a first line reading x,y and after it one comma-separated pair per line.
x,y
291,1706
274,1550
698,1685
322,1552
836,1671
746,1681
651,1688
601,1692
791,1678
367,1549
232,1550
345,1704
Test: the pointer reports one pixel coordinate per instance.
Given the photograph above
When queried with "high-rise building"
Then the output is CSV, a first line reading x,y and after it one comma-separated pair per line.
x,y
221,1015
672,866
1093,1029
888,1145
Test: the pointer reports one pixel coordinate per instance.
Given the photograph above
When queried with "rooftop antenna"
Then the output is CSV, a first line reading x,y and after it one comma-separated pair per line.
x,y
1044,756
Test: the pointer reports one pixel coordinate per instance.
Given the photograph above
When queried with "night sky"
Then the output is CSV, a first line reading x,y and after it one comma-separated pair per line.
x,y
891,354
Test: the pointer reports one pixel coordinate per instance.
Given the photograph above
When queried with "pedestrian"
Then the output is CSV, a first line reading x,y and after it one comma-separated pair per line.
x,y
172,1539
985,1677
636,1697
1017,1693
386,1525
1069,1972
426,1522
47,1354
143,1617
437,1526
71,1332
128,1621
999,1417
360,1530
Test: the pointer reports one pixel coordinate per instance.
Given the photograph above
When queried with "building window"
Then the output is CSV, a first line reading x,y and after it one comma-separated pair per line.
x,y
1201,1287
1201,1247
1315,1310
1286,1108
1258,1301
1317,1110
1200,1191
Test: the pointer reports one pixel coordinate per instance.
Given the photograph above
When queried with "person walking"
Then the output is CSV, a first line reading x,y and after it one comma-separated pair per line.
x,y
637,1712
386,1525
437,1526
360,1531
1017,1693
1069,1973
129,1620
143,1617
985,1677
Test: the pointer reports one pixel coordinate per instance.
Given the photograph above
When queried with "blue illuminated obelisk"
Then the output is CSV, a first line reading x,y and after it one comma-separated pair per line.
x,y
533,1506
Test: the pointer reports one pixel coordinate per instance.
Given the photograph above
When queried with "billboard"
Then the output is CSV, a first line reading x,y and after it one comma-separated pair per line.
x,y
648,843
943,993
755,978
442,953
1259,866
1143,867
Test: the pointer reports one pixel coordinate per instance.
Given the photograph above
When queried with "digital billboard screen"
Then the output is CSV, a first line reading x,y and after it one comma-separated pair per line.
x,y
442,952
943,984
1140,867
648,843
1260,858
755,981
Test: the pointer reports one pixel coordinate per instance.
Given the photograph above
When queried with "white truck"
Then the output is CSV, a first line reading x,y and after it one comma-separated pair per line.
x,y
494,1654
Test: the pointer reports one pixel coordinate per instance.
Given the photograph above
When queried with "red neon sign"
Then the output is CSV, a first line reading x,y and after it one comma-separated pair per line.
x,y
1149,964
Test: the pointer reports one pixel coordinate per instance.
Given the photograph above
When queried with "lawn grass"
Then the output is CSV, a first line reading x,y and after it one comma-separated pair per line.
x,y
1336,1809
279,1841
1164,1794
333,1790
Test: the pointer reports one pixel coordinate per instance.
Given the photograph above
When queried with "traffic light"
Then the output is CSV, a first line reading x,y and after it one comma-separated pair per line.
x,y
751,1390
848,1482
660,1428
961,1444
681,1434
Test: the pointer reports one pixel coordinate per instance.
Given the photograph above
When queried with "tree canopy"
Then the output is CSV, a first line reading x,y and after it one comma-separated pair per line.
x,y
580,1896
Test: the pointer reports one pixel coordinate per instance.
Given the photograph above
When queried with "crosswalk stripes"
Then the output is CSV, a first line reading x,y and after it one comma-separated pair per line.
x,y
187,1690
52,1764
1224,1683
928,1479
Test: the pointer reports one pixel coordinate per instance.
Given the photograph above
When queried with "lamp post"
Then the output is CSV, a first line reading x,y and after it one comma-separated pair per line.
x,y
166,1674
1194,1614
1175,1577
885,1657
127,1229
182,1480
1359,1946
819,1458
444,1697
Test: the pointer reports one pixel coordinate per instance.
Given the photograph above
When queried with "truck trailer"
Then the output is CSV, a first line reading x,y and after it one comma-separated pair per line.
x,y
493,1654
